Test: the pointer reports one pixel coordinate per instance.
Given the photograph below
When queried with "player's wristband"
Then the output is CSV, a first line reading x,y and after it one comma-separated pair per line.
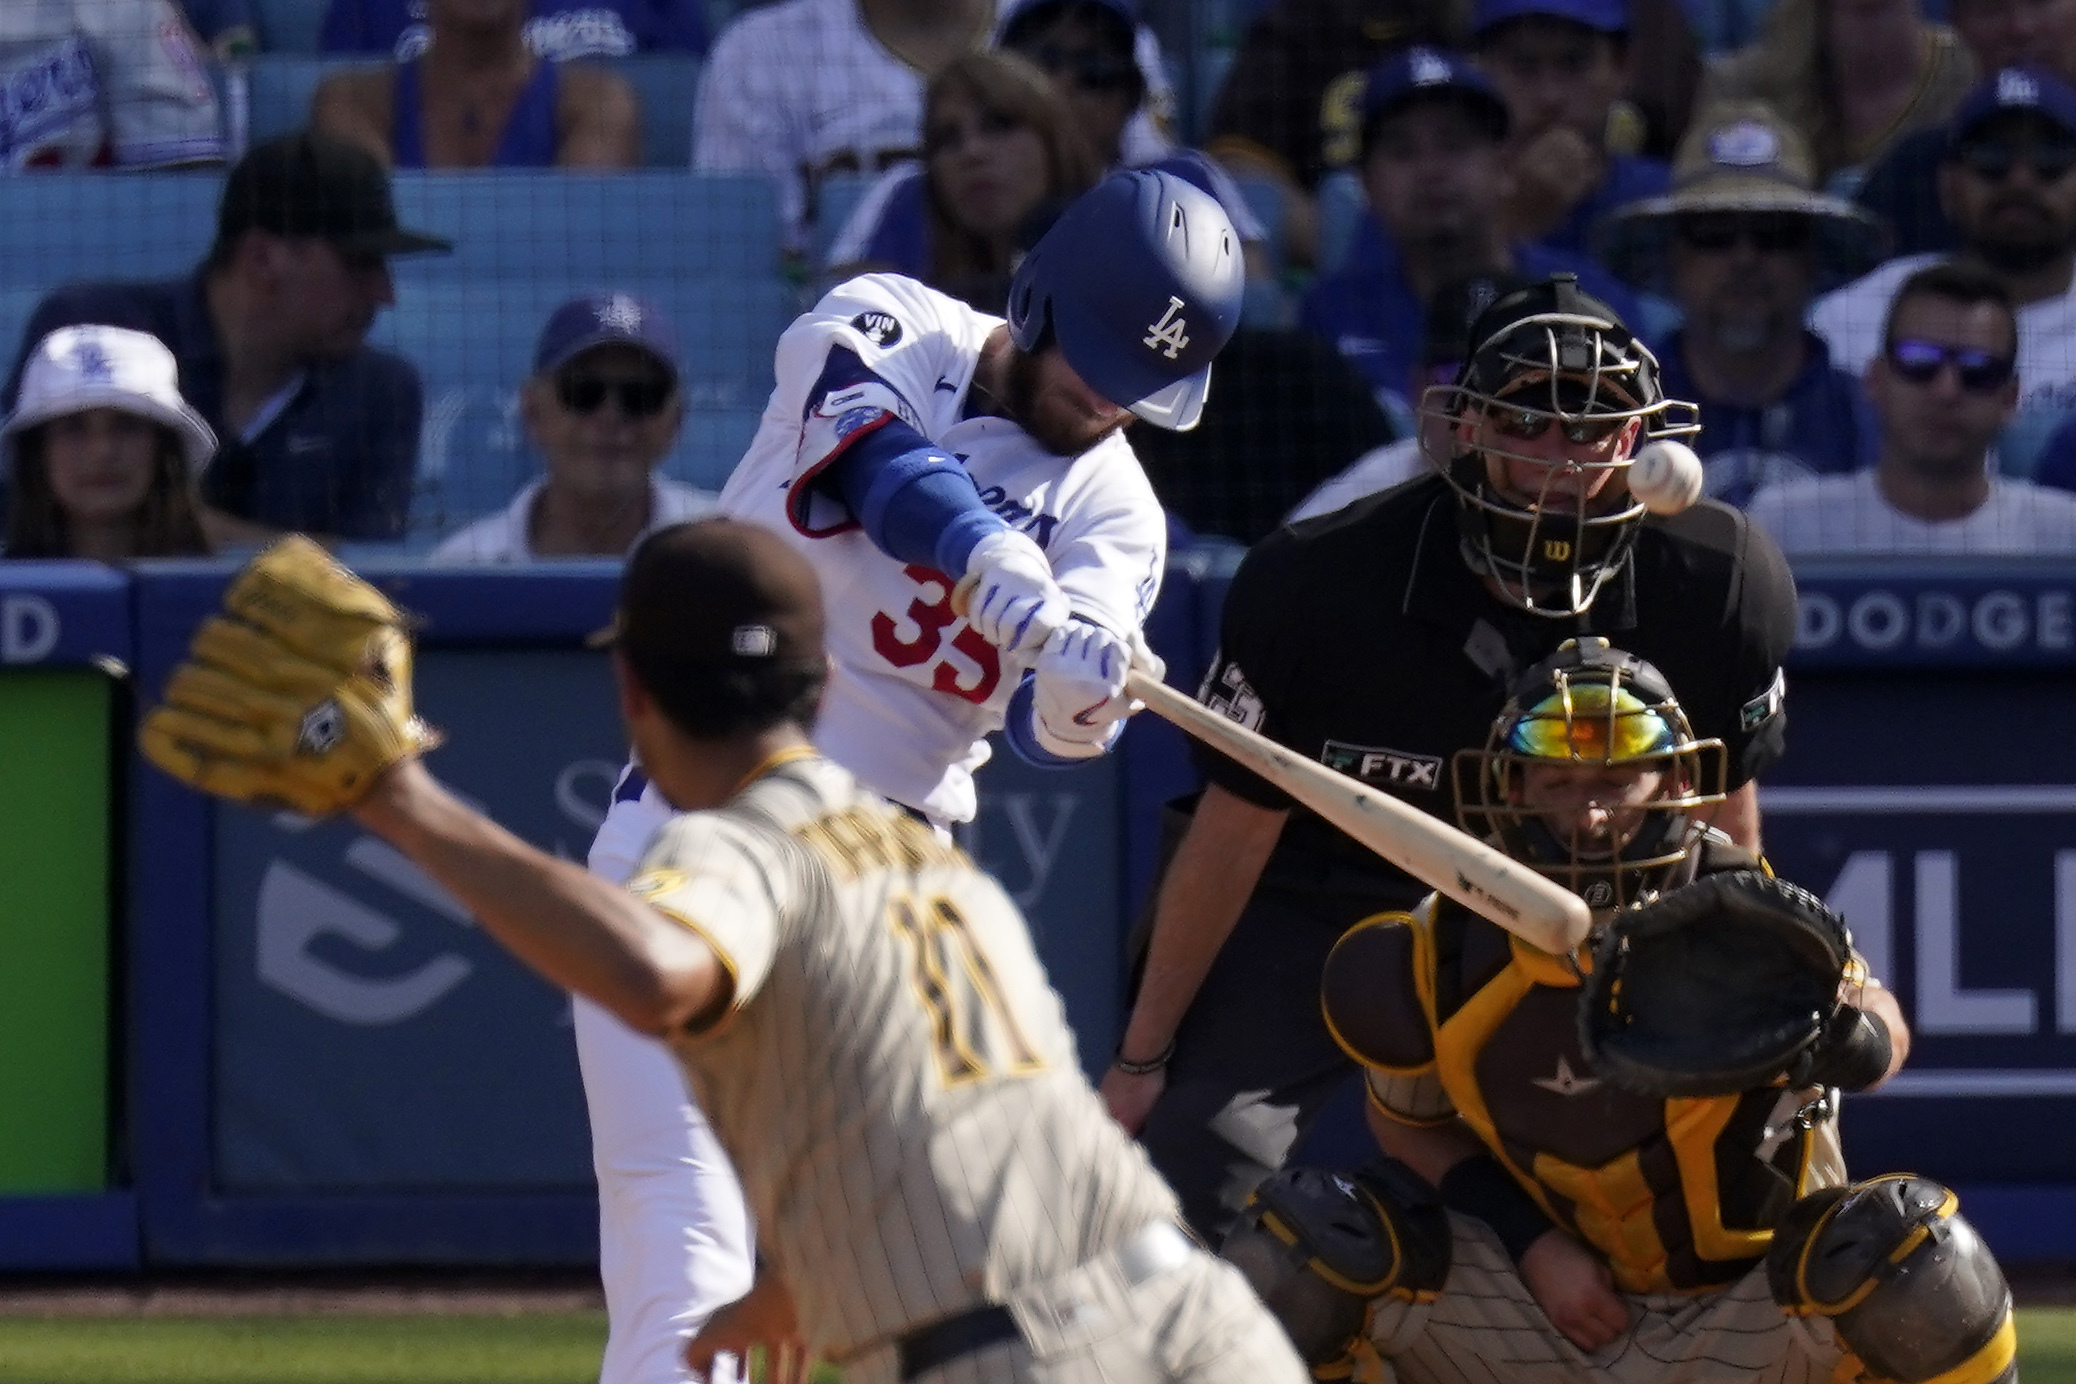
x,y
1479,1186
1148,1067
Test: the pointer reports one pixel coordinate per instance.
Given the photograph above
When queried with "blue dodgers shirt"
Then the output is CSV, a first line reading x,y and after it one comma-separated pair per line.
x,y
1822,425
339,458
559,28
1367,311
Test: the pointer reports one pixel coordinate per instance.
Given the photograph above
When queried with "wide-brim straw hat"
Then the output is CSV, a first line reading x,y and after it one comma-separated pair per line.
x,y
1741,157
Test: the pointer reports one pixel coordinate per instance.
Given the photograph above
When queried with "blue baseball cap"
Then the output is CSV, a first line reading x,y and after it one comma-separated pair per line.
x,y
1602,16
606,319
2032,90
1420,73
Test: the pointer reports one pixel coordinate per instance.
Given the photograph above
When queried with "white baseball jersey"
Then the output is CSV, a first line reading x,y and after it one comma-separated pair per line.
x,y
893,1076
799,90
103,81
914,691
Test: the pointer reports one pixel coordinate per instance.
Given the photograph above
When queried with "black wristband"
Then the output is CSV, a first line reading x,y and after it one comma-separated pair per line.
x,y
1854,1052
1479,1186
1149,1066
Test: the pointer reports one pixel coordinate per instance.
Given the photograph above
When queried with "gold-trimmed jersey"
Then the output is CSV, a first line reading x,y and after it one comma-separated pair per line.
x,y
1452,1016
894,1078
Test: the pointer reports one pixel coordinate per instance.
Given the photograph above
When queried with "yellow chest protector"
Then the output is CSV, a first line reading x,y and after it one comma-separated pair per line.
x,y
1678,1194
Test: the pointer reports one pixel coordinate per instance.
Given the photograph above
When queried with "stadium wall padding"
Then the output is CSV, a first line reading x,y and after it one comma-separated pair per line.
x,y
259,1040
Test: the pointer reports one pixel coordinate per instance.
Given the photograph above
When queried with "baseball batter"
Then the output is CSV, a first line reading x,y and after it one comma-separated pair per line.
x,y
858,1006
910,441
1569,1227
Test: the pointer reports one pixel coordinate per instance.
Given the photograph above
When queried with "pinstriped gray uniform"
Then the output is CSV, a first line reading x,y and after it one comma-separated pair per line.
x,y
897,1085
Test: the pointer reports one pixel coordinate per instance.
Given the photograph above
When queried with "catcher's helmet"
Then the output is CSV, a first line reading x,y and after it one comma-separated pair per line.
x,y
1591,703
1549,354
1139,282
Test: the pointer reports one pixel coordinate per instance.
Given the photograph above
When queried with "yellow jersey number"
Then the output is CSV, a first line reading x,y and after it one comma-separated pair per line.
x,y
974,1033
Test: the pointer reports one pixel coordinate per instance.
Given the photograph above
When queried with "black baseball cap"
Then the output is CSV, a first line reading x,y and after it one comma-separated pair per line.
x,y
308,184
716,595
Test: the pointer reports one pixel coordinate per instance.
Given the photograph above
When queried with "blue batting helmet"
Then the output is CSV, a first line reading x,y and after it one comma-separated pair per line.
x,y
1139,282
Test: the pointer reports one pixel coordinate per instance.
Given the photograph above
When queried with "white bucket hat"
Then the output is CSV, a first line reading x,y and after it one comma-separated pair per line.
x,y
78,368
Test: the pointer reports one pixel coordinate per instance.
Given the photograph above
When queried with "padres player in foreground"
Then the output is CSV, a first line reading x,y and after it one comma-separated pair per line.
x,y
1558,1216
858,1008
912,441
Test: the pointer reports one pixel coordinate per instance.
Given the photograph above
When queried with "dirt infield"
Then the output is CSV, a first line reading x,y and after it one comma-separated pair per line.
x,y
412,1292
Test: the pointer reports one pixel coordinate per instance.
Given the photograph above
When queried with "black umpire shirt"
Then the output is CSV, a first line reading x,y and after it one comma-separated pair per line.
x,y
1362,639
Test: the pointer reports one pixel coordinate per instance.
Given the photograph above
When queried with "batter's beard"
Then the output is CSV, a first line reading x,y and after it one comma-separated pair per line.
x,y
1061,437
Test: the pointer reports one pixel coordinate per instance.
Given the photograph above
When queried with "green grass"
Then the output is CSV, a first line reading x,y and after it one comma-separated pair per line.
x,y
2047,1345
537,1348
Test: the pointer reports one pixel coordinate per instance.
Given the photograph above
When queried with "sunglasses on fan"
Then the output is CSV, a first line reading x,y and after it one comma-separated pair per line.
x,y
586,394
1767,231
1920,362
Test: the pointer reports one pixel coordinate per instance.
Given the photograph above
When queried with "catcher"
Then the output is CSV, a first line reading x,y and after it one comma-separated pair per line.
x,y
1621,1165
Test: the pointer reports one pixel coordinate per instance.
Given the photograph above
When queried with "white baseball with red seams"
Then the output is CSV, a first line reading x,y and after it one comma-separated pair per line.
x,y
1665,477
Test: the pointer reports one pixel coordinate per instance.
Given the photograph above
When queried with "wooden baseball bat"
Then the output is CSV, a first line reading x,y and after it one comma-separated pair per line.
x,y
1537,910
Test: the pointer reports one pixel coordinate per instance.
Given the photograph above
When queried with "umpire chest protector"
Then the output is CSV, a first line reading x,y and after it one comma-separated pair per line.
x,y
1680,1195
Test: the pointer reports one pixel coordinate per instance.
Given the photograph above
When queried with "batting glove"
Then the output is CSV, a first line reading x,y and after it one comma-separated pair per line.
x,y
1079,697
1014,602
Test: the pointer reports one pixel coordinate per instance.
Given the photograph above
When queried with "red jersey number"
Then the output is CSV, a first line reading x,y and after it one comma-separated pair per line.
x,y
931,615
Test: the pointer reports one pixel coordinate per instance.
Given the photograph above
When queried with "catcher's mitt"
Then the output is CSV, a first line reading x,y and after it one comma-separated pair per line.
x,y
297,696
1720,986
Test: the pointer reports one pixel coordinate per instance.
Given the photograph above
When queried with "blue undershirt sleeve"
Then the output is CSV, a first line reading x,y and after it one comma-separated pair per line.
x,y
913,499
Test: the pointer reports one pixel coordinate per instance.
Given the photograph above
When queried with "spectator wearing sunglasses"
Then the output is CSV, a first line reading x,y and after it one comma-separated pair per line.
x,y
1742,243
1943,386
2009,185
603,407
1436,174
1903,188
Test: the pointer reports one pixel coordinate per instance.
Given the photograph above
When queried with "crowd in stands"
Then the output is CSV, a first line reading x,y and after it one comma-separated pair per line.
x,y
1846,227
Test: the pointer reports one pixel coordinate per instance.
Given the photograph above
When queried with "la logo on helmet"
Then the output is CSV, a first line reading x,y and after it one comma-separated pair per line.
x,y
1171,331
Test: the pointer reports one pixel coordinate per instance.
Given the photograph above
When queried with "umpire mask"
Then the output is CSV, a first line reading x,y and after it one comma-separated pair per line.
x,y
1553,400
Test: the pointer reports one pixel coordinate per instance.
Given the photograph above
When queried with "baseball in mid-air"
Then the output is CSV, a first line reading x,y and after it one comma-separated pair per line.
x,y
1665,477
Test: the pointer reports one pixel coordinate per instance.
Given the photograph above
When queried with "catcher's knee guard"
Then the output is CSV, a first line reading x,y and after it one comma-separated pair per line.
x,y
1907,1283
1319,1246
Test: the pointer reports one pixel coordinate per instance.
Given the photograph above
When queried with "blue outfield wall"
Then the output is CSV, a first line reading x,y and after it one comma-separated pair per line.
x,y
327,1063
